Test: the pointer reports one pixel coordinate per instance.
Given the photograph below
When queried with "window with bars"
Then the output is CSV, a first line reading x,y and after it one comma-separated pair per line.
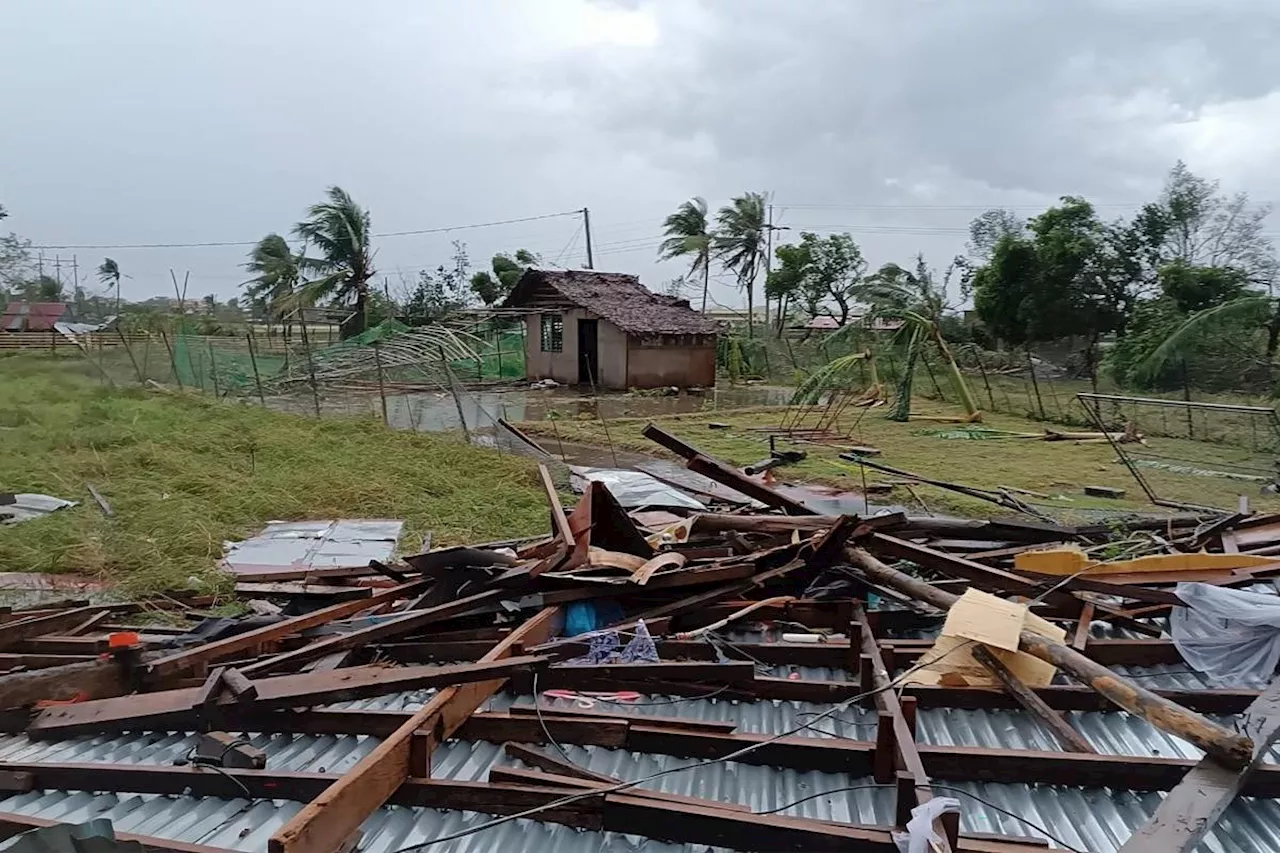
x,y
552,333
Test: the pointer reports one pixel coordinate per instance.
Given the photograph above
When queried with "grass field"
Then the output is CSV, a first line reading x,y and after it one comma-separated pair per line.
x,y
1058,469
185,474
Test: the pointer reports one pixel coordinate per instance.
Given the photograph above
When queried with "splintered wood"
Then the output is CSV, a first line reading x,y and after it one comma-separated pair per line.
x,y
980,618
554,623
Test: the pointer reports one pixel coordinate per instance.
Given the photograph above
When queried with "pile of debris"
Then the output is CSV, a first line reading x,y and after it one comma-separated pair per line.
x,y
699,605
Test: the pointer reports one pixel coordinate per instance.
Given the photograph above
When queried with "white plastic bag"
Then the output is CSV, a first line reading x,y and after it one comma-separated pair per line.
x,y
920,828
1230,635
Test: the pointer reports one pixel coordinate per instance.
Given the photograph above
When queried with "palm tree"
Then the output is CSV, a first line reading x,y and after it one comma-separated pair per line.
x,y
109,274
1250,311
340,229
687,234
276,278
913,298
739,243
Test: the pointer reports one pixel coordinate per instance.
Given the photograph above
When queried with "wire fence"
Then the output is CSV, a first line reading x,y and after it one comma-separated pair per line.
x,y
427,379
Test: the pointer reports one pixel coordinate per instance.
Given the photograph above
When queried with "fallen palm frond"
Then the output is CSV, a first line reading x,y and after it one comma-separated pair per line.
x,y
427,349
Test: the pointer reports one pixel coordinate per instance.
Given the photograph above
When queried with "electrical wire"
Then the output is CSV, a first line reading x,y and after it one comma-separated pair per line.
x,y
215,243
933,787
622,786
1040,829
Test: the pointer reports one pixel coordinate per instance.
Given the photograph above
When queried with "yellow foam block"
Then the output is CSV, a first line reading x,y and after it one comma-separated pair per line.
x,y
1070,560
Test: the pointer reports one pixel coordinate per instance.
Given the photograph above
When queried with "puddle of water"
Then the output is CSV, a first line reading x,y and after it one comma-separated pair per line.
x,y
434,412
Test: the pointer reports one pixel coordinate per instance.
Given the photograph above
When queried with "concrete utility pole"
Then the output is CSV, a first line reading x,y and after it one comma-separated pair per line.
x,y
768,266
586,228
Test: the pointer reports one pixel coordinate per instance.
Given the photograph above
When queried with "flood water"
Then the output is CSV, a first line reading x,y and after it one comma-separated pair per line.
x,y
438,412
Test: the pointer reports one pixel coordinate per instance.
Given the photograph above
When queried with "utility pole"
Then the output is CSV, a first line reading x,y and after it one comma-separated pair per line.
x,y
586,228
768,267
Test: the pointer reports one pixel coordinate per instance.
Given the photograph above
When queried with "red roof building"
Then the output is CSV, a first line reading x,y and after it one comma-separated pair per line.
x,y
34,316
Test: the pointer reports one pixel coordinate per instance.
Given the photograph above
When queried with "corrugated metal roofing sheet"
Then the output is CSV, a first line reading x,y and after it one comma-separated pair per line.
x,y
1087,819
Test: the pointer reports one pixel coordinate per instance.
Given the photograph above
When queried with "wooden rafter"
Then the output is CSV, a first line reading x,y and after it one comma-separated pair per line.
x,y
331,818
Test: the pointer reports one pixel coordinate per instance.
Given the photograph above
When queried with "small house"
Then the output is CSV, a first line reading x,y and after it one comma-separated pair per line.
x,y
34,316
607,329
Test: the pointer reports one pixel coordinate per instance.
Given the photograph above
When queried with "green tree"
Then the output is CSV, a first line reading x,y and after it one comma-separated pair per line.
x,y
341,231
1072,276
276,275
784,282
494,287
688,235
109,274
42,288
739,244
919,301
442,292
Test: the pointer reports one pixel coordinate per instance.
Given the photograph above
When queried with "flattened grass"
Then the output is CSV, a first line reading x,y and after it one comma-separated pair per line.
x,y
184,474
1053,468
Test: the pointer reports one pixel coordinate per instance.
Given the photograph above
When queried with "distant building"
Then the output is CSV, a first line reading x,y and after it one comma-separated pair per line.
x,y
34,316
587,327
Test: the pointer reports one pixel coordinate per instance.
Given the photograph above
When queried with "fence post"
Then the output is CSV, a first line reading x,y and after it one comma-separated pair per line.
x,y
382,391
311,368
457,401
983,368
257,377
1036,385
173,362
128,349
924,356
213,369
53,341
1186,395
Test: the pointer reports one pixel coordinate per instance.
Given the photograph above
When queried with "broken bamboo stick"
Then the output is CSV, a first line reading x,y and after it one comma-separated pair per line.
x,y
1227,747
1067,737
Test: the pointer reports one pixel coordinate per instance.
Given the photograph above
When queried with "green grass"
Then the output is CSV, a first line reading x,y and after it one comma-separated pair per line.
x,y
1053,468
184,474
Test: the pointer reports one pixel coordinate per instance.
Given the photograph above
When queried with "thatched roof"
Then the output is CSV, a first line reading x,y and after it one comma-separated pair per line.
x,y
619,298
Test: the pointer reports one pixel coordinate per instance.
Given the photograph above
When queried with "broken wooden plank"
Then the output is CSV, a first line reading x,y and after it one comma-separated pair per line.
x,y
201,656
410,621
161,710
713,469
35,626
895,729
330,819
1191,809
1067,737
12,823
1230,748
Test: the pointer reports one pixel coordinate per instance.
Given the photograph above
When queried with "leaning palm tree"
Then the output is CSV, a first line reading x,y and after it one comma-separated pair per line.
x,y
739,243
913,299
340,230
687,234
109,274
1247,312
275,280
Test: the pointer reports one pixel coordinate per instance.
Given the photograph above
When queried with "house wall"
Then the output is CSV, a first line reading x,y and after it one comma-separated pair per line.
x,y
563,366
682,366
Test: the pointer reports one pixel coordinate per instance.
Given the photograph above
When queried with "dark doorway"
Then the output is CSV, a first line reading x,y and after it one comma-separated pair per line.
x,y
588,352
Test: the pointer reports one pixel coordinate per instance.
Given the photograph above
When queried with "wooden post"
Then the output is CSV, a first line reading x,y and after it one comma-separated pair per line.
x,y
137,370
1031,365
1067,737
382,390
311,366
213,369
257,377
173,362
457,401
1228,747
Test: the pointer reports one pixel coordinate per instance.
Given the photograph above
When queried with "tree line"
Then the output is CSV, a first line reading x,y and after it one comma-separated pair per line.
x,y
1187,279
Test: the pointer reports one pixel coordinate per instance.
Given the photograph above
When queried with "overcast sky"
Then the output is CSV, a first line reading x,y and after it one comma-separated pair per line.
x,y
130,122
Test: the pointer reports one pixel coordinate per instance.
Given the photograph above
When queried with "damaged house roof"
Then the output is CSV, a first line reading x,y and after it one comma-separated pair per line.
x,y
617,297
